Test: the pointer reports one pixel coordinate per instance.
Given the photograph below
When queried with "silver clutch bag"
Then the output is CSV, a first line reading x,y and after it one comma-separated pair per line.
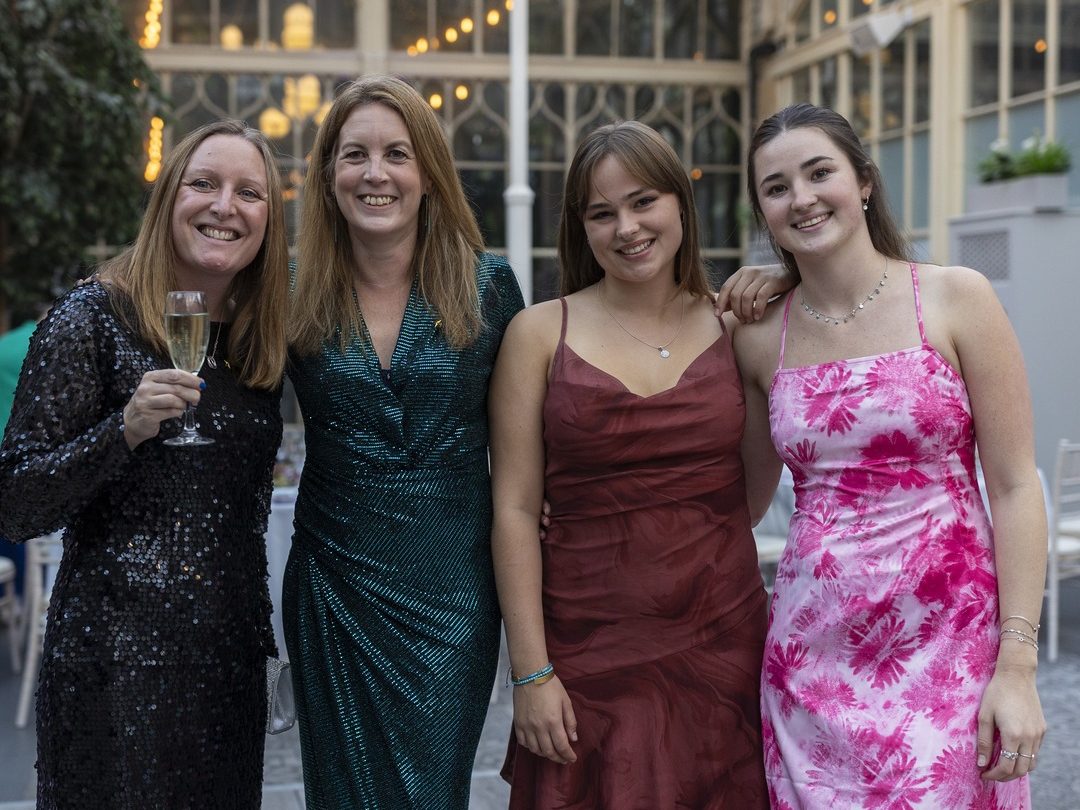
x,y
280,704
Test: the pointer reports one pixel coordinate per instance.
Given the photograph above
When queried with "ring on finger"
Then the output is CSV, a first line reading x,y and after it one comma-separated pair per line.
x,y
1010,755
1026,756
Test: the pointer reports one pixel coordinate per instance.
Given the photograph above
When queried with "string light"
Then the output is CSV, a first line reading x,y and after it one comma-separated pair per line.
x,y
1040,46
450,35
232,38
466,25
493,17
435,101
461,92
154,141
830,17
152,30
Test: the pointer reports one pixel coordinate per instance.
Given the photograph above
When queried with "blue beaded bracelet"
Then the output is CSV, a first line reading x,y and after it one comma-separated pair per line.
x,y
542,674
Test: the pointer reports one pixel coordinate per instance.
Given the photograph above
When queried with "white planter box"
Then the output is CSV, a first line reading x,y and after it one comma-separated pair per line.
x,y
1032,191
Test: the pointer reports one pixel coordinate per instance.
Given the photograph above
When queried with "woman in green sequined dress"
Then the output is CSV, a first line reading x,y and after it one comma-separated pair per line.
x,y
390,612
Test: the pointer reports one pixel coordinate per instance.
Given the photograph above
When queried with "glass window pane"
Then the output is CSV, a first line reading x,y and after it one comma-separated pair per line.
x,y
484,188
979,134
1025,121
860,7
239,17
861,101
546,26
1069,66
717,197
722,29
920,180
680,27
829,15
191,22
594,27
449,15
1068,132
547,206
408,22
800,86
985,33
802,22
546,141
828,82
891,163
716,142
478,138
545,279
892,85
636,34
923,87
335,23
1028,46
497,30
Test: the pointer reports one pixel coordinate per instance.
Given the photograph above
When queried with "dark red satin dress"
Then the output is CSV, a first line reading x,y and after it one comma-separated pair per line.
x,y
654,607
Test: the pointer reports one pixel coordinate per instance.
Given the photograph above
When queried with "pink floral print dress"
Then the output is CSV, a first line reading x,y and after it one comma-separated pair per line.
x,y
883,624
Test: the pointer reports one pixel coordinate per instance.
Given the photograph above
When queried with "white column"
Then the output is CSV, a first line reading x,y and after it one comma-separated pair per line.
x,y
518,195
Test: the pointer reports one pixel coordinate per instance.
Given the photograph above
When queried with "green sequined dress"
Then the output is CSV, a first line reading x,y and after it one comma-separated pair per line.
x,y
389,607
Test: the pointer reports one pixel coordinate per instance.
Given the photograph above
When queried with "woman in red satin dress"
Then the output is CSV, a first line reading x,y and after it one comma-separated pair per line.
x,y
636,625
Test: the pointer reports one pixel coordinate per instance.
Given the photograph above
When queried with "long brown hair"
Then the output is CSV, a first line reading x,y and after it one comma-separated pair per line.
x,y
884,233
146,270
645,155
447,240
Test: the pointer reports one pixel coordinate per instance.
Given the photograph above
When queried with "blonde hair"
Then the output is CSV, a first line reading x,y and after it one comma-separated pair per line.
x,y
447,240
146,271
644,154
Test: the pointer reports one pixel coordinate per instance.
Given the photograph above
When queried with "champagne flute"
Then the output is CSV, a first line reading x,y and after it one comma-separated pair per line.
x,y
187,333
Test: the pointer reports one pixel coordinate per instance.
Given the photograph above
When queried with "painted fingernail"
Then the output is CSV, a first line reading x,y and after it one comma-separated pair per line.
x,y
982,760
202,385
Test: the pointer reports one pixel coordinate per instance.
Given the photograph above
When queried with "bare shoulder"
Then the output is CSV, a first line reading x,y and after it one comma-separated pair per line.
x,y
954,283
536,326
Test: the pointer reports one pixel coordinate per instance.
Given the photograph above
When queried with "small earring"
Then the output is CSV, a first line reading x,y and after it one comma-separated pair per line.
x,y
866,203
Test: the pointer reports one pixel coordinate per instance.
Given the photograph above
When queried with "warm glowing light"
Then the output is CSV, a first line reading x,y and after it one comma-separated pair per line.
x,y
151,35
1040,46
695,173
411,50
450,35
232,38
509,5
868,2
321,113
298,33
421,45
154,140
274,123
435,100
466,25
830,17
493,17
461,92
302,96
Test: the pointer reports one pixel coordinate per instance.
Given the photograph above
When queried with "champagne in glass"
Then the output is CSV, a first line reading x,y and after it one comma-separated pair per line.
x,y
187,333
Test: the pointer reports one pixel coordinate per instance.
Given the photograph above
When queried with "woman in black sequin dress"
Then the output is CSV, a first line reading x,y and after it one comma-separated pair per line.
x,y
152,689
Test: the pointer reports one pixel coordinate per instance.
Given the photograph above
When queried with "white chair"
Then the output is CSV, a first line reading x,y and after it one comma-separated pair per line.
x,y
42,559
9,608
1063,557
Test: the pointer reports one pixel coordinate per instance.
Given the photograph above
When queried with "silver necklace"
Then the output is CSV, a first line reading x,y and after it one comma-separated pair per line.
x,y
210,359
662,349
837,320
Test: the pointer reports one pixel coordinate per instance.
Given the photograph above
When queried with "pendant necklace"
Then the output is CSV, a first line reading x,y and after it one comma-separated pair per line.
x,y
837,320
210,359
662,349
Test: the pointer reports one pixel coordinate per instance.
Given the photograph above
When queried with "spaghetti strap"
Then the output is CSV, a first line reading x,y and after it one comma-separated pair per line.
x,y
918,303
783,328
562,334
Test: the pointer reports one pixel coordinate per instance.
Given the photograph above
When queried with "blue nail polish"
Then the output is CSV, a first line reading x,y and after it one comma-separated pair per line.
x,y
202,385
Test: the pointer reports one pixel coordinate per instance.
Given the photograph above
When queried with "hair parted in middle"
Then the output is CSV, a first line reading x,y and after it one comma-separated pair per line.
x,y
884,233
145,271
644,154
447,241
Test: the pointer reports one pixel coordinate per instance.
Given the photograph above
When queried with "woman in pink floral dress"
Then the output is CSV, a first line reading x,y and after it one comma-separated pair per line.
x,y
900,663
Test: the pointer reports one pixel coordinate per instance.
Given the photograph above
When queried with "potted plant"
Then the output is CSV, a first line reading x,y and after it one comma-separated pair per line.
x,y
1034,177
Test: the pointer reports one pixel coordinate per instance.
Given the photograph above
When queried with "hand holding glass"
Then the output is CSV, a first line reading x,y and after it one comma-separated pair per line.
x,y
187,332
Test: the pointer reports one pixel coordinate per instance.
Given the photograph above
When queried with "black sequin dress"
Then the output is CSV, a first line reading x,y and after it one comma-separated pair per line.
x,y
152,683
